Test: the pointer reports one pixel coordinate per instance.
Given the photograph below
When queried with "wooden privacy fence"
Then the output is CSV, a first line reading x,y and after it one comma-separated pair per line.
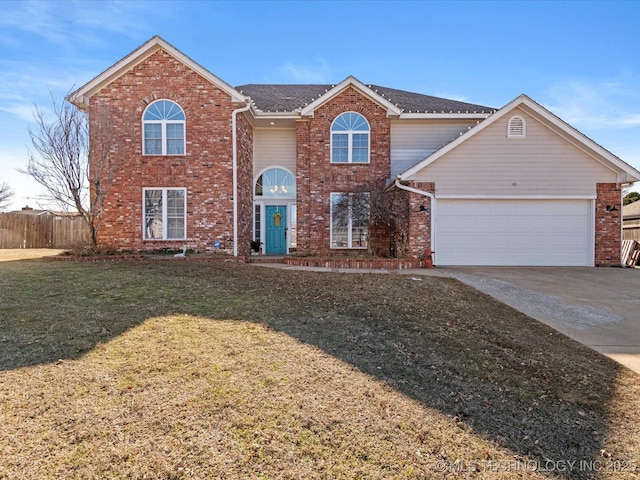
x,y
631,230
18,230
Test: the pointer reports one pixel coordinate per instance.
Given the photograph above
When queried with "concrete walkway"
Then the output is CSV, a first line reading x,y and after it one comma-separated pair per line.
x,y
599,307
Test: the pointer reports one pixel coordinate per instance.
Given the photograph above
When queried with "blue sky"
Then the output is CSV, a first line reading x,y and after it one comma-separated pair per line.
x,y
580,59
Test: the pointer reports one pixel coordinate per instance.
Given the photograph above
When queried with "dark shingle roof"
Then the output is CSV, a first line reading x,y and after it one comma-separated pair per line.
x,y
282,98
417,102
288,98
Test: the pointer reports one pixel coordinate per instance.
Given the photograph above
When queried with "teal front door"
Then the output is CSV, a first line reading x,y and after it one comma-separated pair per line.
x,y
276,234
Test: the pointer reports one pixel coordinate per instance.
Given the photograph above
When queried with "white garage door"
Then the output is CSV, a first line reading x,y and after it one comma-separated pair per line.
x,y
514,232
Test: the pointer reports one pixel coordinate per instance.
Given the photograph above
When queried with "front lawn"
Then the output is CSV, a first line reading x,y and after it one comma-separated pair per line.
x,y
182,369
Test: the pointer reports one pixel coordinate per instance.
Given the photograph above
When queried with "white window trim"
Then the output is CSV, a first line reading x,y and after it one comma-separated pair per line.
x,y
163,125
262,223
349,226
511,131
165,223
350,134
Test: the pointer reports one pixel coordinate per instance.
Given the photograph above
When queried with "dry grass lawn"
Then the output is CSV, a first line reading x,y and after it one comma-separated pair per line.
x,y
8,255
181,370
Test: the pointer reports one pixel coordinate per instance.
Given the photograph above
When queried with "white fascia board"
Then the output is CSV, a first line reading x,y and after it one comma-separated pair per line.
x,y
515,197
443,115
80,96
275,115
261,119
392,109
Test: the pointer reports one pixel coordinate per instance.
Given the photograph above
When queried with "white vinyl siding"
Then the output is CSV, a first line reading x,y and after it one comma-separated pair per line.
x,y
412,141
541,164
514,232
272,146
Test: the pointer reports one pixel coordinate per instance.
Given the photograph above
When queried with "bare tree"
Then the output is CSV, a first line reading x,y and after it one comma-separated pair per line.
x,y
6,194
379,210
77,173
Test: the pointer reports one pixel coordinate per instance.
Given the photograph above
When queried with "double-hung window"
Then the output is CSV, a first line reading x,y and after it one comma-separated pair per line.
x,y
165,213
350,220
350,139
163,129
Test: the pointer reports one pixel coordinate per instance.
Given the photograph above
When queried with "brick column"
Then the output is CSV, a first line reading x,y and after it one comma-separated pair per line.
x,y
420,221
608,236
245,185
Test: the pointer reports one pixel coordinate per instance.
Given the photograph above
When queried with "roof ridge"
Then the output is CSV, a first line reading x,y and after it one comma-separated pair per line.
x,y
272,97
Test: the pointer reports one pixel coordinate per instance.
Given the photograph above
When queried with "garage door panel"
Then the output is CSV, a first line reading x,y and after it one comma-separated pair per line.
x,y
514,232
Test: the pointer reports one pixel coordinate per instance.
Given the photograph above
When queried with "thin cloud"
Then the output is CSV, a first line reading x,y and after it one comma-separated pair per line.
x,y
597,105
314,73
22,111
26,85
77,24
453,96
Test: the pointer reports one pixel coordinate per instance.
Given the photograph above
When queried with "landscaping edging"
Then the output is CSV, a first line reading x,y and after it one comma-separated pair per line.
x,y
322,262
364,263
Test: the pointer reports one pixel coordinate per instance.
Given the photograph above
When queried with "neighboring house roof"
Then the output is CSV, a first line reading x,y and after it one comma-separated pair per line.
x,y
30,211
631,211
626,173
293,98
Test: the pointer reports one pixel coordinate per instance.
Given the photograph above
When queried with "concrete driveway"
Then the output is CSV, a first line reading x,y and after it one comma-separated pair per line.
x,y
599,307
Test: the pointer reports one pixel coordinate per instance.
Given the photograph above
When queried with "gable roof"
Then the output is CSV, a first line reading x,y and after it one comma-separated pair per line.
x,y
295,98
351,81
292,99
626,173
81,96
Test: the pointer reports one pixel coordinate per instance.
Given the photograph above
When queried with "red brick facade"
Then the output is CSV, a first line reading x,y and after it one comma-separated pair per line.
x,y
608,225
205,170
245,184
419,225
317,177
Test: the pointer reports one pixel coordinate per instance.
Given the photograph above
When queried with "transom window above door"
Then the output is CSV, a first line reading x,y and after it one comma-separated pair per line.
x,y
276,182
350,139
163,129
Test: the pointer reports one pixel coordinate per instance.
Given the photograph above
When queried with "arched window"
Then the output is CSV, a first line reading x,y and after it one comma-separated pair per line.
x,y
517,127
276,182
350,139
163,129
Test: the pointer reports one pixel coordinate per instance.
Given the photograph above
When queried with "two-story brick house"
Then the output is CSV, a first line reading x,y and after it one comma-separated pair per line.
x,y
213,167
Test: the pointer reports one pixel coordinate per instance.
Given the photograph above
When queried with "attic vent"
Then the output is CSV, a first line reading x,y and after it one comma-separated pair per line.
x,y
516,127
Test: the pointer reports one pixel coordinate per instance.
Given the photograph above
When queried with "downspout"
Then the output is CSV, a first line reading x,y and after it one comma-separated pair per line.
x,y
432,197
234,136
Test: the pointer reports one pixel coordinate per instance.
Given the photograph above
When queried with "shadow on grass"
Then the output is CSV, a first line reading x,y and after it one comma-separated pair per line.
x,y
490,368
